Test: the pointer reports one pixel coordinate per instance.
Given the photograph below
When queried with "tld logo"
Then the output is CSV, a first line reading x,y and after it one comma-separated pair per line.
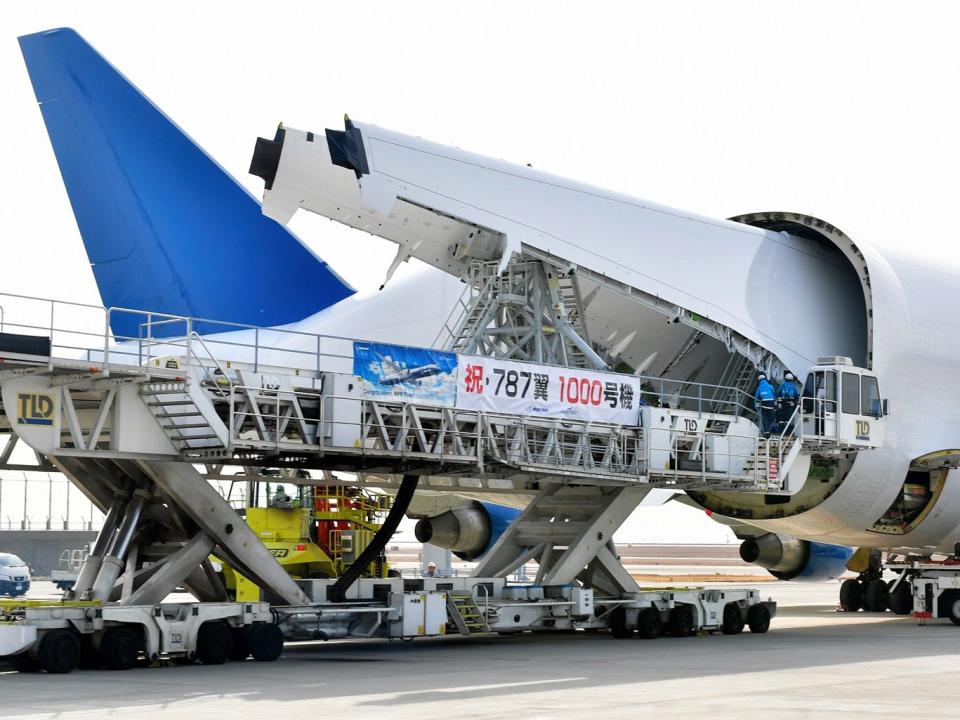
x,y
35,409
863,430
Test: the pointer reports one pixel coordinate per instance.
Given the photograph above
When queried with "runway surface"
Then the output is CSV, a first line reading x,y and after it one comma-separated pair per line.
x,y
814,662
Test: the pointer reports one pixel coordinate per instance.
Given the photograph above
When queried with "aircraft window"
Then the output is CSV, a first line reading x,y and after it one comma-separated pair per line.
x,y
871,397
851,393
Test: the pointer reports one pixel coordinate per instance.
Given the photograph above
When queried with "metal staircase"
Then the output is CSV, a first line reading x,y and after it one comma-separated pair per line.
x,y
185,413
738,378
465,615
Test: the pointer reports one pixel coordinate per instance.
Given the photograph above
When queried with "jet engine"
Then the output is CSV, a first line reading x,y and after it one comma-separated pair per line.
x,y
468,531
787,558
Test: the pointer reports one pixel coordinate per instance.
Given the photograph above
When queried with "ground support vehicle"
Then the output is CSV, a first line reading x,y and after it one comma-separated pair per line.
x,y
57,637
927,589
144,424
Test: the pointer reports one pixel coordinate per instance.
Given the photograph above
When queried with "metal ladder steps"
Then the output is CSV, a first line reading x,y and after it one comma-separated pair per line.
x,y
170,403
179,414
188,438
186,426
466,616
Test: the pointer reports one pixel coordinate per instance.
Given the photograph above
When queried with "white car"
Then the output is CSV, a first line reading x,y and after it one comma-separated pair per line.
x,y
14,575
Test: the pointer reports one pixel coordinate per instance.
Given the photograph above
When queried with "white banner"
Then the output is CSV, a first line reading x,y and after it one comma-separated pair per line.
x,y
495,385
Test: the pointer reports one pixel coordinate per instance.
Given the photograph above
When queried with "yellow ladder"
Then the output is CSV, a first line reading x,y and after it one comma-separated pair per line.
x,y
465,615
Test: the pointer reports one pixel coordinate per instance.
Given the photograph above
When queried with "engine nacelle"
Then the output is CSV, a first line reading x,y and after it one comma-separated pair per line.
x,y
787,558
468,531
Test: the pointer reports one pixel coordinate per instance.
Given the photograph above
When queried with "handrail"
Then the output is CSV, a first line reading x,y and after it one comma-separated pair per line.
x,y
195,336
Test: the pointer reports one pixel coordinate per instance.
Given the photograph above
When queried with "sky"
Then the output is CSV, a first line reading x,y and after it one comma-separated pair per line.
x,y
846,111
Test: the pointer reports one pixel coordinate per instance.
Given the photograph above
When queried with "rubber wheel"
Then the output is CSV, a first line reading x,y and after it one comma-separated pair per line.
x,y
732,620
949,605
59,651
851,595
119,648
758,618
214,643
649,625
24,663
266,642
618,624
876,597
901,599
241,643
682,620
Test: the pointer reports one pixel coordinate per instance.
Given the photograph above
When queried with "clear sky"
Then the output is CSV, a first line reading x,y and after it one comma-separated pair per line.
x,y
847,111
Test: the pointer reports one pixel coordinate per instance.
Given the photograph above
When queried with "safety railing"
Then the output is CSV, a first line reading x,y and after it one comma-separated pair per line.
x,y
379,431
80,331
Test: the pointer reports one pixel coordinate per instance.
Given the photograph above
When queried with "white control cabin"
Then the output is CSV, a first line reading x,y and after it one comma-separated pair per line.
x,y
842,404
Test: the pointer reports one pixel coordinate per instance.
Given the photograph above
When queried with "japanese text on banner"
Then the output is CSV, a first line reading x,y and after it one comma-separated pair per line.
x,y
494,385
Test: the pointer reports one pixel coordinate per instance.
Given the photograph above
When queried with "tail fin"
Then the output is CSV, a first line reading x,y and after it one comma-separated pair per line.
x,y
165,227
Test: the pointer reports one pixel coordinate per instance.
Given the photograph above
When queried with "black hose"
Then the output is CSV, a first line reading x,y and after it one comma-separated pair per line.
x,y
338,591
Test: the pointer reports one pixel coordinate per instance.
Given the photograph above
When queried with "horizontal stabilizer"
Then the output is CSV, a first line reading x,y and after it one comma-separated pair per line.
x,y
165,227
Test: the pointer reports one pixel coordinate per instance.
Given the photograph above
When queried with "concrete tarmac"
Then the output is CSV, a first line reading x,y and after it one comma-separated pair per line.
x,y
814,662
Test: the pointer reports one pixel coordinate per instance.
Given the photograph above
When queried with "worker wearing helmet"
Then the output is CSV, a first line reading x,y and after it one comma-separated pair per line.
x,y
787,398
431,569
765,402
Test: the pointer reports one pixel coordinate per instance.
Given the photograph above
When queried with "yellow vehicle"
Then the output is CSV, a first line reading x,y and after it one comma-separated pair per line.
x,y
318,535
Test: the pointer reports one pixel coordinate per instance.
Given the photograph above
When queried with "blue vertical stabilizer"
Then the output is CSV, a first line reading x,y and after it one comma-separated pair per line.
x,y
165,227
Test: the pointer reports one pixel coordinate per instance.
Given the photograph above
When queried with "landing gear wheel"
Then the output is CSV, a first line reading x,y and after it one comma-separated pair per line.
x,y
618,624
214,643
649,626
732,619
266,642
901,599
682,620
24,663
758,618
59,651
241,643
876,597
119,648
851,595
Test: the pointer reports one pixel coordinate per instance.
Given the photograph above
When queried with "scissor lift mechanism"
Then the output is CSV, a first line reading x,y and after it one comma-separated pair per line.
x,y
129,423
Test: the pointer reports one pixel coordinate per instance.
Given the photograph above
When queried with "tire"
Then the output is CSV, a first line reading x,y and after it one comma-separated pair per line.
x,y
214,643
901,599
241,643
618,624
950,606
59,651
876,596
851,595
24,663
120,648
732,620
682,621
649,625
758,618
266,642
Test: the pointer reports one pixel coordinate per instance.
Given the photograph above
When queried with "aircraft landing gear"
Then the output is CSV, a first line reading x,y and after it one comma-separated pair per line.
x,y
871,593
868,591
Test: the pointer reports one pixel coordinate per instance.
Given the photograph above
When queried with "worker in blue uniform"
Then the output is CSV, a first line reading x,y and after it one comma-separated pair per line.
x,y
765,402
788,395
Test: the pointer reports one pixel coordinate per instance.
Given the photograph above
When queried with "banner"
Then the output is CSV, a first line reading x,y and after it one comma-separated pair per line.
x,y
493,385
406,373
